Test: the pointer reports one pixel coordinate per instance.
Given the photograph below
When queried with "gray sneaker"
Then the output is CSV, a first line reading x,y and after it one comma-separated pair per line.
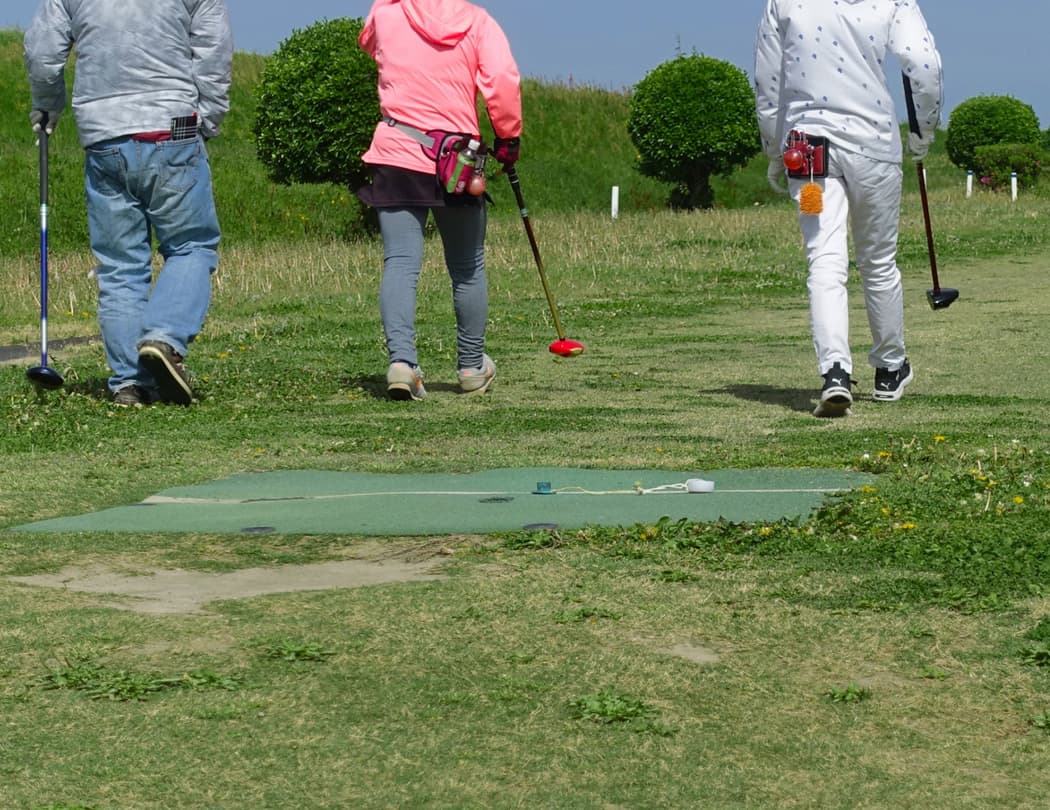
x,y
165,364
477,380
405,382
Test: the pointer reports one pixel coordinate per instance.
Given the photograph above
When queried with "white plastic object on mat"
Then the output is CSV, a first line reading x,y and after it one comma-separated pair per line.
x,y
699,485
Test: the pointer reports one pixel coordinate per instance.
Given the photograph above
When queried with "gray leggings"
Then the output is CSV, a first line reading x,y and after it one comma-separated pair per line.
x,y
462,232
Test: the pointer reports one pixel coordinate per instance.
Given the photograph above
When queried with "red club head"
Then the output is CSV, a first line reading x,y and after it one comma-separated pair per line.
x,y
794,159
566,348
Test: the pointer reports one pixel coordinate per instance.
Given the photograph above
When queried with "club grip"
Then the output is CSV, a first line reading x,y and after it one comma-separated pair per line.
x,y
909,102
43,160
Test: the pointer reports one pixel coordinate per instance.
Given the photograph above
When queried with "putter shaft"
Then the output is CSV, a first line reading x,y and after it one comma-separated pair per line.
x,y
515,183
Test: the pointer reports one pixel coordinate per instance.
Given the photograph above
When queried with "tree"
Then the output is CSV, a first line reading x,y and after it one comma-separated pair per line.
x,y
986,121
690,119
318,106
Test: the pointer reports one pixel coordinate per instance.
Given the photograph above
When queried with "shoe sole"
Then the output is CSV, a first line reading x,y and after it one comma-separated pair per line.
x,y
481,389
833,403
831,409
402,392
170,384
893,396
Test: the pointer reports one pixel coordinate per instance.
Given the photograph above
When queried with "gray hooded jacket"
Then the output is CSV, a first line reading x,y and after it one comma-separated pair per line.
x,y
139,63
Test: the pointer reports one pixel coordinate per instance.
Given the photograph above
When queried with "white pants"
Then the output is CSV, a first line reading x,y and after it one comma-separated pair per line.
x,y
867,194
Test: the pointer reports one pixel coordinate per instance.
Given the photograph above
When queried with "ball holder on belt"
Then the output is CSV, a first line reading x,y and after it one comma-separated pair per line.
x,y
806,158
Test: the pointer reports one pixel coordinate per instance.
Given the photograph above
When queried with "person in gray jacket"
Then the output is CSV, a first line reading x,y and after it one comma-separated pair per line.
x,y
152,83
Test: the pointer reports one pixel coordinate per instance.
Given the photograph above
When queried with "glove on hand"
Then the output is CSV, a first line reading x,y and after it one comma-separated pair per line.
x,y
919,145
43,119
776,175
506,150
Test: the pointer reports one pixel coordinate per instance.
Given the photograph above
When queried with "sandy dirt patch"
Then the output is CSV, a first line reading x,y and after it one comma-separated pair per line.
x,y
158,591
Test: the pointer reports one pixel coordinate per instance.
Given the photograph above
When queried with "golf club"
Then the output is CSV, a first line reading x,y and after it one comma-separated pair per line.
x,y
938,297
43,376
562,346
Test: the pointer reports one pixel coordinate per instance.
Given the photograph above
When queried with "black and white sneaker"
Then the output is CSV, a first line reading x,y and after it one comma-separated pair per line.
x,y
835,396
889,385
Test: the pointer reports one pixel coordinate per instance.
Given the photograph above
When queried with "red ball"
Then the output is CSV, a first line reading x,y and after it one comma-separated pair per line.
x,y
476,185
794,159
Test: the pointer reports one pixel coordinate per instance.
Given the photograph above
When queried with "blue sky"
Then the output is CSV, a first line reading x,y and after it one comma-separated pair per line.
x,y
1000,48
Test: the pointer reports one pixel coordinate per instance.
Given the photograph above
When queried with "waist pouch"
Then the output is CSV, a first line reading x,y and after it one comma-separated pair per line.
x,y
443,148
451,174
815,150
183,128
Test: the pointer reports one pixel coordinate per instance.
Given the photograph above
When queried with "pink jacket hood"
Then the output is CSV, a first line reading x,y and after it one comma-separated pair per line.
x,y
443,22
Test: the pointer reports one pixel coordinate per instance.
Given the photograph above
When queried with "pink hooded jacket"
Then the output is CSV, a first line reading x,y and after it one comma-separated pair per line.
x,y
434,57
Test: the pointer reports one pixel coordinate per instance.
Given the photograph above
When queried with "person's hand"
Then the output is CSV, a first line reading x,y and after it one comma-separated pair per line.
x,y
506,150
919,145
42,119
777,176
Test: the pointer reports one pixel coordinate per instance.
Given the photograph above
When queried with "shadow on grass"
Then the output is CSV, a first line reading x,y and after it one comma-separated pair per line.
x,y
796,399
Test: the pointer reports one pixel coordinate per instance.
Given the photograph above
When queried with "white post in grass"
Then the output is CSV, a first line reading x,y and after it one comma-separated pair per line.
x,y
1013,185
615,202
969,182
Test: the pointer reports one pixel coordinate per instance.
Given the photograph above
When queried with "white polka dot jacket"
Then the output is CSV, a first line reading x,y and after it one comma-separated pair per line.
x,y
820,68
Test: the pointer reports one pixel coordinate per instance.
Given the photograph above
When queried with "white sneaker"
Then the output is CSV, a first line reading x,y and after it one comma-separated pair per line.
x,y
477,380
405,382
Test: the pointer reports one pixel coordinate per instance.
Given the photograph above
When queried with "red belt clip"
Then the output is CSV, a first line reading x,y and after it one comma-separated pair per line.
x,y
805,156
152,137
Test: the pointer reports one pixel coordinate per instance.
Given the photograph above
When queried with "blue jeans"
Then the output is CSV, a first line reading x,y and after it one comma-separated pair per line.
x,y
462,232
137,190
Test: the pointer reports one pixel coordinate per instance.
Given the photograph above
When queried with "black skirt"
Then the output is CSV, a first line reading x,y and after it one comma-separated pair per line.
x,y
394,187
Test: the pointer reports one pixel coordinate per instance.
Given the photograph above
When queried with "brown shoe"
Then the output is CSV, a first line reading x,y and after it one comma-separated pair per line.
x,y
165,364
131,396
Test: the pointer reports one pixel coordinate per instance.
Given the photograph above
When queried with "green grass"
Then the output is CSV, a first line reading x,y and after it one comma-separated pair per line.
x,y
888,651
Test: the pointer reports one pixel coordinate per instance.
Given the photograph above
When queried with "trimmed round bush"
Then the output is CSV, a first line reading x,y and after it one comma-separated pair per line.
x,y
987,121
318,106
692,118
996,163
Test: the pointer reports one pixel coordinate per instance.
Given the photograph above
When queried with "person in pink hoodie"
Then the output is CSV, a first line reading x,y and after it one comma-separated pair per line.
x,y
434,57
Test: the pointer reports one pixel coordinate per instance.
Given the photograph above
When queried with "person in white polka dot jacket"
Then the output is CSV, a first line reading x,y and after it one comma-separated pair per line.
x,y
820,70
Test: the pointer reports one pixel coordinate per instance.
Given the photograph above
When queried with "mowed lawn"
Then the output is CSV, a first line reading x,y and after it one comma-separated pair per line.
x,y
889,651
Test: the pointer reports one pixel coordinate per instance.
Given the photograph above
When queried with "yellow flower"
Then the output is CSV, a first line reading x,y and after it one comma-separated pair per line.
x,y
1018,499
938,438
